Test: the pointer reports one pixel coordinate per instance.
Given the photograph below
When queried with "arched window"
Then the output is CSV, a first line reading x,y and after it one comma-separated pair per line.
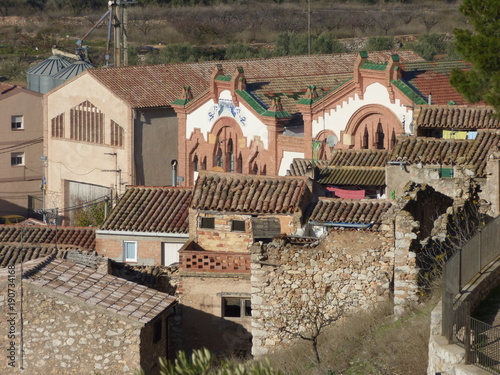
x,y
219,162
195,163
240,164
393,139
255,168
204,164
264,170
380,136
366,139
230,155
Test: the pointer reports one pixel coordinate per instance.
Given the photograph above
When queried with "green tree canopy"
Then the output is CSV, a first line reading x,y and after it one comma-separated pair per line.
x,y
481,48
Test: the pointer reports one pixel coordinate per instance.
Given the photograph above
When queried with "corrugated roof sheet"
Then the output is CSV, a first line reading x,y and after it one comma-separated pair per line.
x,y
248,194
94,288
457,118
431,151
333,210
151,209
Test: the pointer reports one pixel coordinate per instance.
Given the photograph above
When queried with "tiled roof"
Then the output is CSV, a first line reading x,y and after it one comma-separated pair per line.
x,y
84,284
249,194
374,176
145,86
332,210
15,253
151,209
359,158
299,167
83,237
427,78
431,151
457,118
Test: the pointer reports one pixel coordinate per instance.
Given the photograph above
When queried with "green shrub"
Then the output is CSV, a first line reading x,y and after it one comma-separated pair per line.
x,y
379,43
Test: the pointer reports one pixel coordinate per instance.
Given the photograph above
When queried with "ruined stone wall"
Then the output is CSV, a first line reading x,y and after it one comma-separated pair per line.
x,y
355,265
62,336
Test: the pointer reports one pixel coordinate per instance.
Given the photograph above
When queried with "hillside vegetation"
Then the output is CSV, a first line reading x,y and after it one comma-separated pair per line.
x,y
195,30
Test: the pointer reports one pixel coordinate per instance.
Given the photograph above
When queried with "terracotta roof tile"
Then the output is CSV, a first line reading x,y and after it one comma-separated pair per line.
x,y
103,292
151,209
83,237
14,253
359,158
246,193
457,118
160,85
299,167
333,210
431,151
359,176
434,78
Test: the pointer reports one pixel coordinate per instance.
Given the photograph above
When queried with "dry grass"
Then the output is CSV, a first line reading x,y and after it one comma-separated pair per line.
x,y
370,342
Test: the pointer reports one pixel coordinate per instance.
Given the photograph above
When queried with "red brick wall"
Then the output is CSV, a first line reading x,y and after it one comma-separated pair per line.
x,y
212,261
148,251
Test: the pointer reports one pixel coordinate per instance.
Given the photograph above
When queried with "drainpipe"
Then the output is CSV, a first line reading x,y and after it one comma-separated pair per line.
x,y
173,163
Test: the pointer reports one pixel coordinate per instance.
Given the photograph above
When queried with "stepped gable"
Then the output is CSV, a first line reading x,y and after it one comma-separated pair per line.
x,y
333,175
83,237
248,193
87,285
160,85
432,151
365,211
151,209
433,78
457,118
300,167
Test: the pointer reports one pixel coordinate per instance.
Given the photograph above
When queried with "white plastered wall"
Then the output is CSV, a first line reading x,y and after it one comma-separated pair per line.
x,y
336,119
207,115
82,161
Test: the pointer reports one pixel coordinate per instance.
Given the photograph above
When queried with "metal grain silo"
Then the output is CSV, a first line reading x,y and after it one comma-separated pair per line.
x,y
70,72
40,76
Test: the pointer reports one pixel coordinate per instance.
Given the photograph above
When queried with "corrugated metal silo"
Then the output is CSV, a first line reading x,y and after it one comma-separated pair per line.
x,y
40,76
70,72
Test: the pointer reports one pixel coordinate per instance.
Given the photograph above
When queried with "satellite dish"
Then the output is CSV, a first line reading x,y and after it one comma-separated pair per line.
x,y
332,140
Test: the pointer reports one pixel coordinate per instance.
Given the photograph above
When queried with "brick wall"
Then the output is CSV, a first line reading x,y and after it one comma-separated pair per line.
x,y
149,249
210,261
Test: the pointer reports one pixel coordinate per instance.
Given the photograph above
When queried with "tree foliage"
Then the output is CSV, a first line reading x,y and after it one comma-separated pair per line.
x,y
480,47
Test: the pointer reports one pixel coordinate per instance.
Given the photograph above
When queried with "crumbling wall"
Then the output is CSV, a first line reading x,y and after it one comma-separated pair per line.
x,y
356,265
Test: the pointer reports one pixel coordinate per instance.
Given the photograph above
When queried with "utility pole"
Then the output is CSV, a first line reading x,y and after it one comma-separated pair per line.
x,y
119,8
308,27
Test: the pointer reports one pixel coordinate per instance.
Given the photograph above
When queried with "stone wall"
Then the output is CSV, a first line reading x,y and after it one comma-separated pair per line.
x,y
62,336
356,266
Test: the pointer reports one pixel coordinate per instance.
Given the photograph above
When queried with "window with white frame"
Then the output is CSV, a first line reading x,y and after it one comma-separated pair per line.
x,y
17,158
130,251
17,122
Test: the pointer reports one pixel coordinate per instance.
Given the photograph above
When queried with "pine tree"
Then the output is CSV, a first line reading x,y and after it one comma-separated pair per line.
x,y
481,48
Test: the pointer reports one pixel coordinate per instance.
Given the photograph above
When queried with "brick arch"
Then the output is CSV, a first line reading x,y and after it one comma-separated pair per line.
x,y
374,123
227,134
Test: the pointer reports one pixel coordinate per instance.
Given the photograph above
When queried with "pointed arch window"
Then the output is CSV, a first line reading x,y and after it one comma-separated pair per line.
x,y
195,164
366,138
255,168
230,155
380,137
240,164
393,139
204,164
219,162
